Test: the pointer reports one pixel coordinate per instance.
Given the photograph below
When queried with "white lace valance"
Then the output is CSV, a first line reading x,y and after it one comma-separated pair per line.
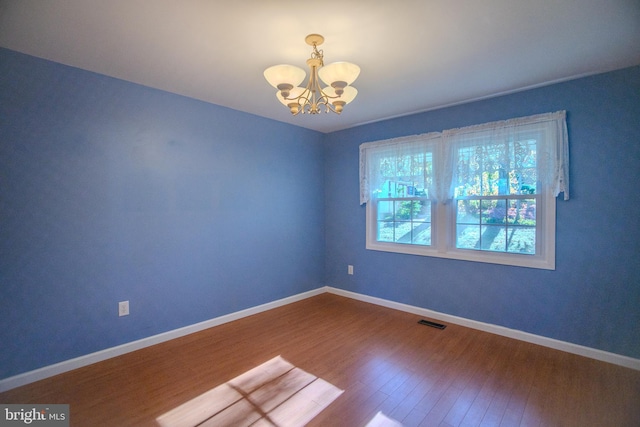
x,y
534,150
409,161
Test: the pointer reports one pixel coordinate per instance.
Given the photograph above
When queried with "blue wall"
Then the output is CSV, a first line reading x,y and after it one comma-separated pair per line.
x,y
111,191
593,296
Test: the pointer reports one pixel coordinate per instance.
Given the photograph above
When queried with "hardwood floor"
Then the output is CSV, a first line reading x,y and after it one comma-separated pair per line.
x,y
382,359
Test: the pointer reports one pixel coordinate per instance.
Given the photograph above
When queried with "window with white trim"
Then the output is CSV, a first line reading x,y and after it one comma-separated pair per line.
x,y
482,193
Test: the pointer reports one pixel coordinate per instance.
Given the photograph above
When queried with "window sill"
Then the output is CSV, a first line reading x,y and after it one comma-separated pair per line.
x,y
516,260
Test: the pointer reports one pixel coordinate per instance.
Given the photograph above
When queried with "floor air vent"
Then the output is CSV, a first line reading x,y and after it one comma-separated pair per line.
x,y
432,324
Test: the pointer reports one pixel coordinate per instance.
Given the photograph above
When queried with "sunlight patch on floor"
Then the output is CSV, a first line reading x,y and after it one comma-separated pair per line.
x,y
381,420
275,393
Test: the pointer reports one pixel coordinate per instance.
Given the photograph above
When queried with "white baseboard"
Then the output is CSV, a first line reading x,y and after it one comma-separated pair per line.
x,y
604,356
78,362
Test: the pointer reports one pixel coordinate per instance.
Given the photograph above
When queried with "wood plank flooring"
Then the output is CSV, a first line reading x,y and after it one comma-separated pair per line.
x,y
382,359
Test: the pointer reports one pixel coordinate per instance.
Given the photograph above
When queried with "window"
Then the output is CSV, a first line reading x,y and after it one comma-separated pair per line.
x,y
482,193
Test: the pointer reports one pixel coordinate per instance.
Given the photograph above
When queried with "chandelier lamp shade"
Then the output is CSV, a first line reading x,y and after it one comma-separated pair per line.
x,y
314,97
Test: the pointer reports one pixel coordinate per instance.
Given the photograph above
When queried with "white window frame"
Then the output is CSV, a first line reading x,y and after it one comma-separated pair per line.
x,y
443,220
443,234
372,232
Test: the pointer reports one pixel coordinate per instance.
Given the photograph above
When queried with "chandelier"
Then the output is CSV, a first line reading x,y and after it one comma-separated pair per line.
x,y
313,98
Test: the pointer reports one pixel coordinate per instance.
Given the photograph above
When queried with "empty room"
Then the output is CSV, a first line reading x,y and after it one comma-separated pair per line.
x,y
338,213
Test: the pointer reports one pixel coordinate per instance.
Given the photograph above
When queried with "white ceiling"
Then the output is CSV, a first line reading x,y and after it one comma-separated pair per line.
x,y
415,55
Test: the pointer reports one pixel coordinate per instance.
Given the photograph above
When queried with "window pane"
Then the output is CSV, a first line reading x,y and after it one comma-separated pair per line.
x,y
522,212
403,232
421,233
385,231
405,221
498,225
494,211
385,211
468,212
467,236
421,211
493,238
403,209
486,237
522,240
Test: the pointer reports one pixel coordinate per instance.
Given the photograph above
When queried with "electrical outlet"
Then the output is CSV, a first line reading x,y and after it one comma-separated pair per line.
x,y
123,308
350,270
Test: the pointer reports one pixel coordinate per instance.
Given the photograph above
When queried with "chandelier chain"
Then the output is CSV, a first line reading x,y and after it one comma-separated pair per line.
x,y
318,54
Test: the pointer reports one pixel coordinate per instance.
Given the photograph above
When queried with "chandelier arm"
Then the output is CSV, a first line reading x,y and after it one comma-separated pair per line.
x,y
301,100
330,96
